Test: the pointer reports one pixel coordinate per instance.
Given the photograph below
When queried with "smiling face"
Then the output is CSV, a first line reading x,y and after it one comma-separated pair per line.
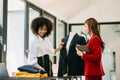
x,y
42,31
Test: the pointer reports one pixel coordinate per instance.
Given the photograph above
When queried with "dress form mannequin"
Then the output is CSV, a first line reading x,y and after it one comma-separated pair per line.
x,y
69,61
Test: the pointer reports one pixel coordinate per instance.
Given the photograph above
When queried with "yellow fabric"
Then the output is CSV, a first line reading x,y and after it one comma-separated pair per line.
x,y
30,75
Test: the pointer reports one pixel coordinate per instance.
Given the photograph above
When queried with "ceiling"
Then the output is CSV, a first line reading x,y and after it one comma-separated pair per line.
x,y
76,11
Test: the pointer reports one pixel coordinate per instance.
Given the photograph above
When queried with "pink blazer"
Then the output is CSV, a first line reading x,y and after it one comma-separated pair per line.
x,y
93,63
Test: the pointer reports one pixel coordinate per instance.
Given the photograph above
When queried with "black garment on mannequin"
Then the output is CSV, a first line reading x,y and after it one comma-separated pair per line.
x,y
70,62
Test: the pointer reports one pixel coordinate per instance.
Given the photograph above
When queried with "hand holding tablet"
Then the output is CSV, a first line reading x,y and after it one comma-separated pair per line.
x,y
83,48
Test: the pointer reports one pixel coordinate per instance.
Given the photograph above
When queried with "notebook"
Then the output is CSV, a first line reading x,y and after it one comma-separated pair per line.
x,y
3,71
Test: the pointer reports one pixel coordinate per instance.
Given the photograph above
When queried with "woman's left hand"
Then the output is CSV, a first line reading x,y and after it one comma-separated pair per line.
x,y
60,46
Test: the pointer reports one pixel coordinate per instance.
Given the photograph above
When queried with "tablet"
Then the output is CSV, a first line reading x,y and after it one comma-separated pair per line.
x,y
83,48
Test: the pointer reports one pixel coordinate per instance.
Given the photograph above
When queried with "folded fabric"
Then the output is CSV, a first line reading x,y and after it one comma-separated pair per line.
x,y
30,69
30,75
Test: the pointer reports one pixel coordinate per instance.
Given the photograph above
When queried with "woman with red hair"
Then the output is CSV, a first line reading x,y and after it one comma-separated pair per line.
x,y
93,59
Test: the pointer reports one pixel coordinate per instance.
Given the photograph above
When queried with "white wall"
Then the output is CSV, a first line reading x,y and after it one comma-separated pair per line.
x,y
118,60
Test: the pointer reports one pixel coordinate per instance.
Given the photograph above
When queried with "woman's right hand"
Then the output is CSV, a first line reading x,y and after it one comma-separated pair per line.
x,y
42,68
38,66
